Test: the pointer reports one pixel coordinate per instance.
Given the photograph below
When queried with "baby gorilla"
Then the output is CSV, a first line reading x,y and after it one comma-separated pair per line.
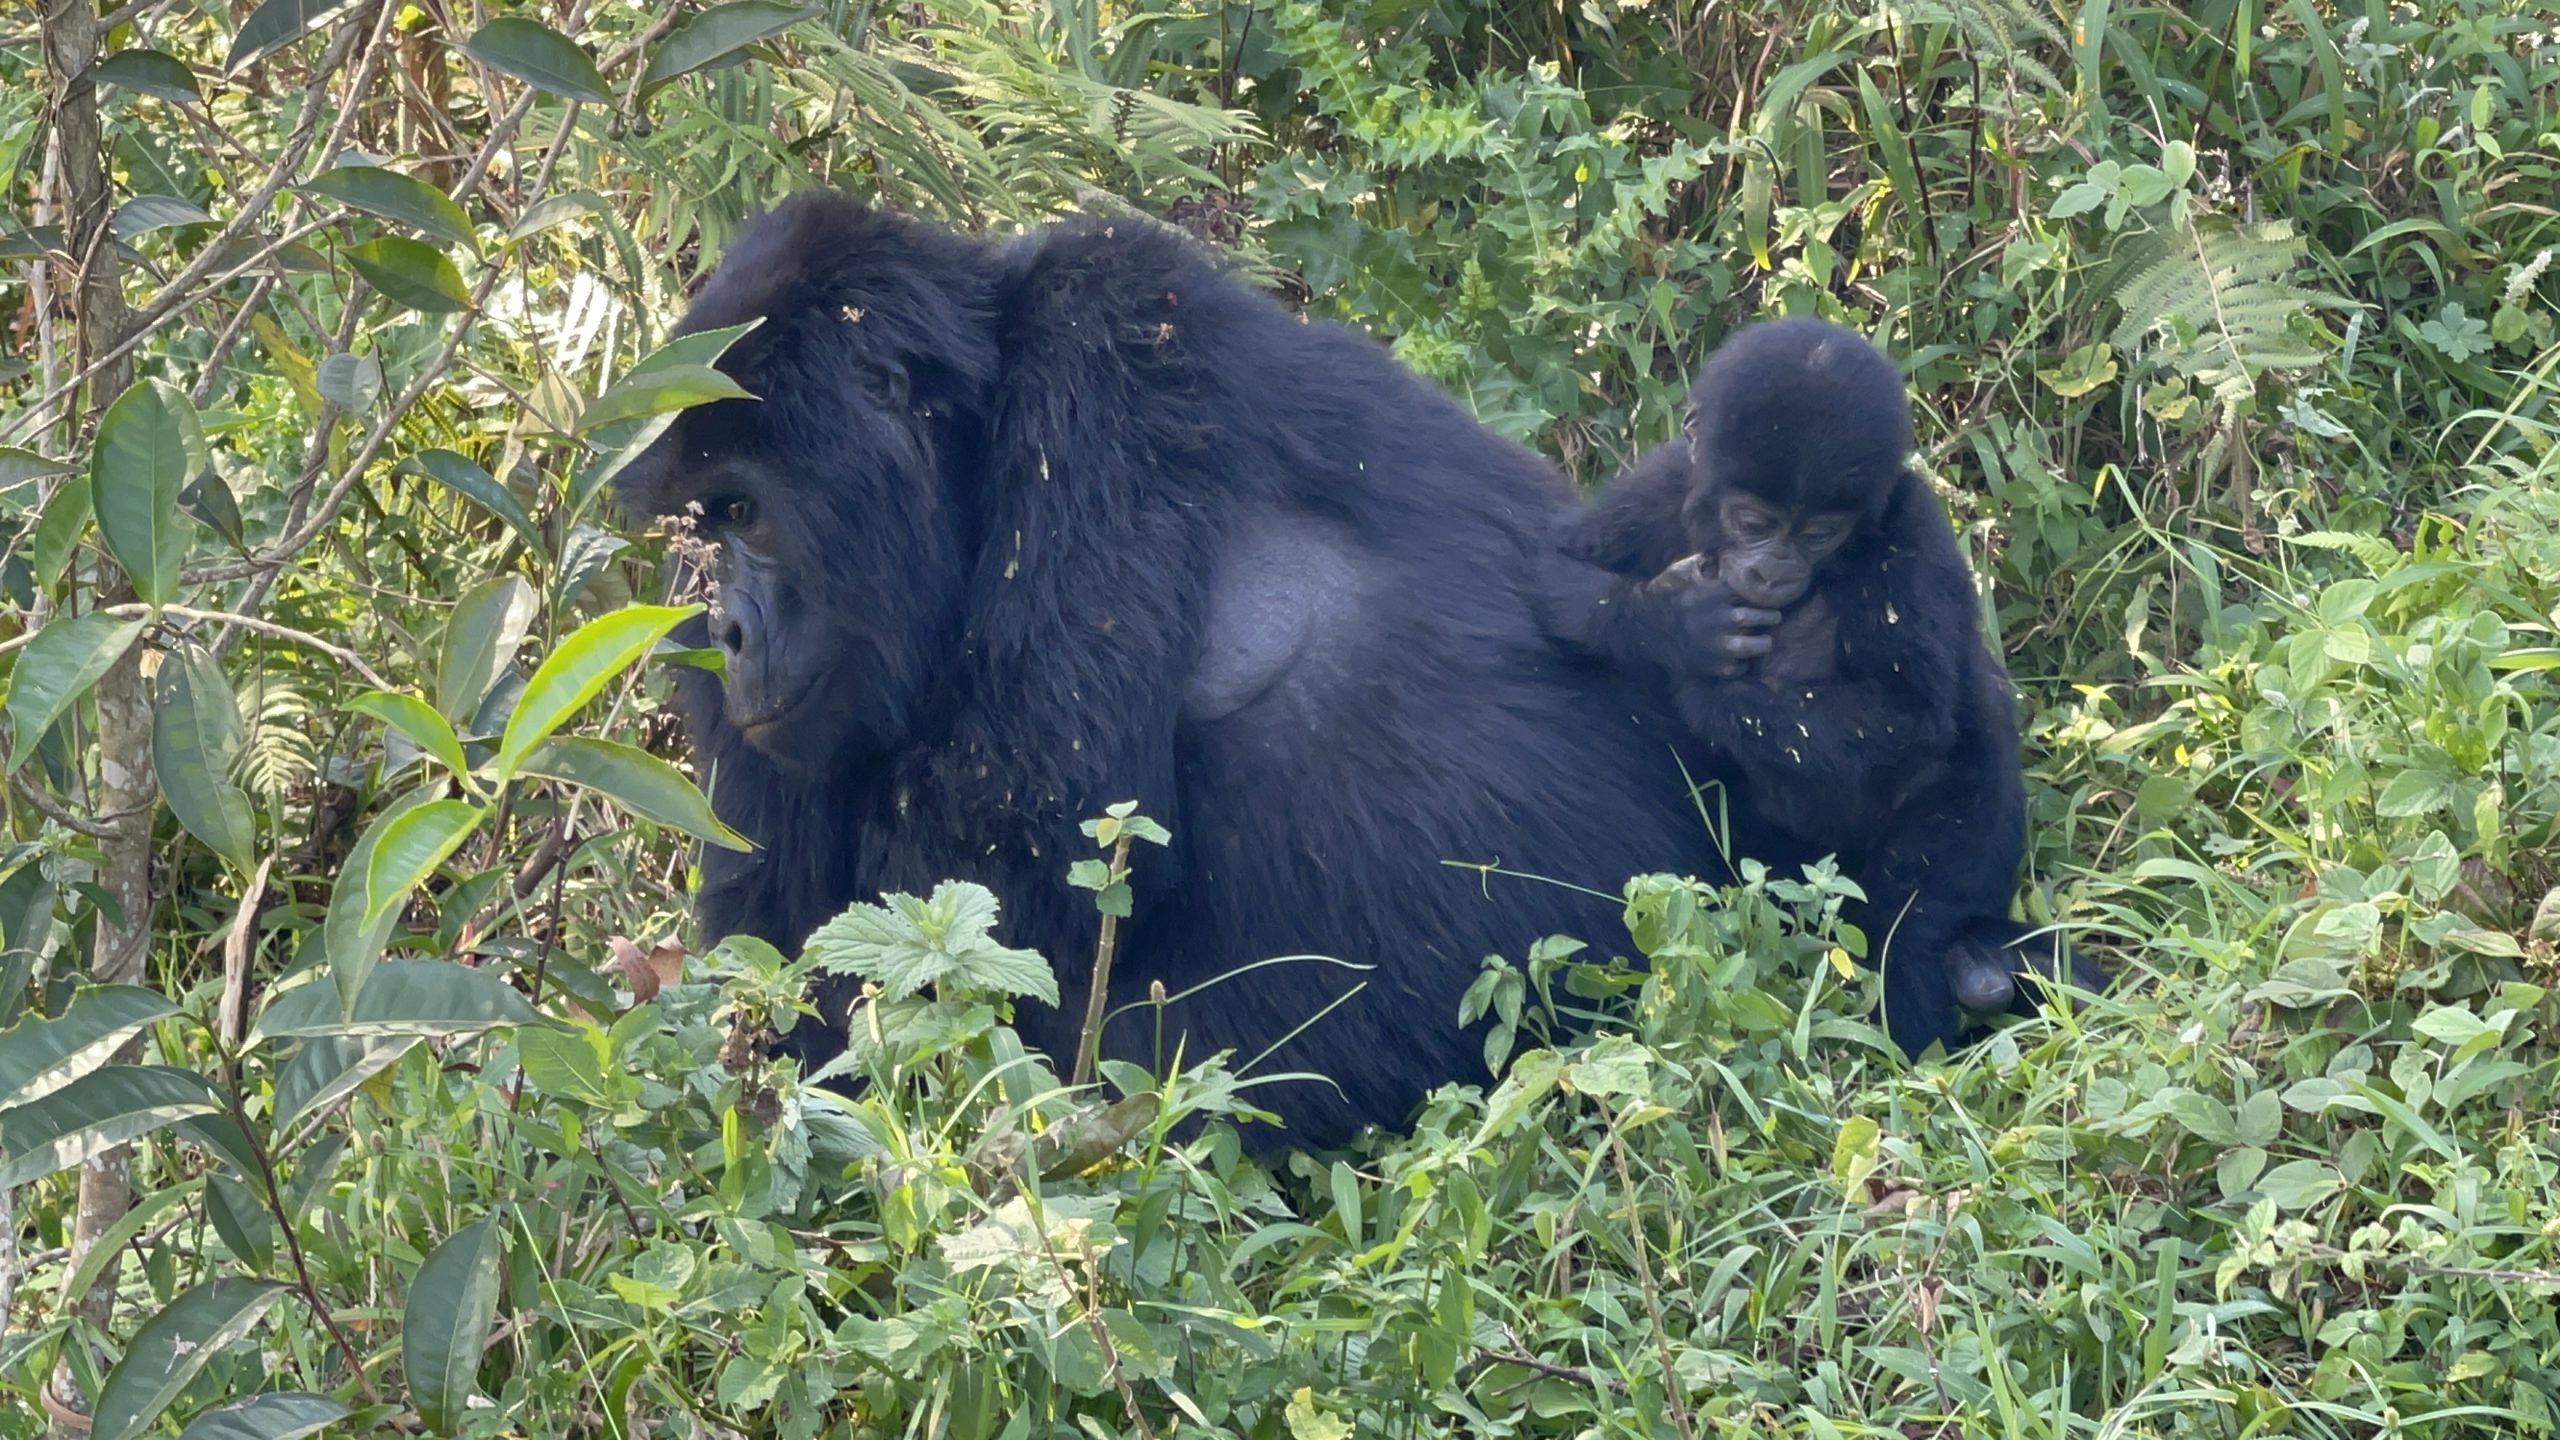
x,y
1799,591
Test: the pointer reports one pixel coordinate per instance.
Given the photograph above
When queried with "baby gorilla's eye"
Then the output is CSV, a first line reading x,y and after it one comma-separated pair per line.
x,y
735,514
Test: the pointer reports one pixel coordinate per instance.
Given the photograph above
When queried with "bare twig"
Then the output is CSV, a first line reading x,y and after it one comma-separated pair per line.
x,y
1644,1276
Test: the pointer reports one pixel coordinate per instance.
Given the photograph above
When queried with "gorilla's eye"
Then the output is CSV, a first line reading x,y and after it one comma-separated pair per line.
x,y
735,514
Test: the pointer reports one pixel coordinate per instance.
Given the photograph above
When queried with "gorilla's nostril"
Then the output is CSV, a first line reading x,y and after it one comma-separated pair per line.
x,y
727,633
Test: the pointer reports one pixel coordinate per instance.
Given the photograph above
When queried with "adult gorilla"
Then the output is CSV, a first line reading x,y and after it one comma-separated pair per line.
x,y
1020,530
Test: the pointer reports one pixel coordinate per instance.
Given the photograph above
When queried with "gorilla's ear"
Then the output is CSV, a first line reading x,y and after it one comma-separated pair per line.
x,y
889,378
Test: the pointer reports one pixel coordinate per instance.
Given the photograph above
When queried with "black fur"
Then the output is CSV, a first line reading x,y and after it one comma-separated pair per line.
x,y
1079,519
1901,754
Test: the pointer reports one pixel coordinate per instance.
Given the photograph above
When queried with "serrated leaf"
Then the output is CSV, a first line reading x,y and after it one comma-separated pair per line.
x,y
444,1327
411,273
458,474
540,57
100,1110
401,199
195,733
147,444
418,721
55,670
276,1415
149,72
276,24
39,1056
907,944
143,214
353,381
410,850
581,667
707,36
644,393
402,999
171,1347
634,779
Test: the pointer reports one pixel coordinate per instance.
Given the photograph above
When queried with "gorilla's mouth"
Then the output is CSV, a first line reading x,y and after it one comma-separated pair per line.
x,y
756,724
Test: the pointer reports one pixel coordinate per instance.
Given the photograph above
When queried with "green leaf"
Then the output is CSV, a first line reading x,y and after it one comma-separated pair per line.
x,y
565,1062
2299,1184
172,1346
702,347
18,466
142,461
326,1069
149,72
460,475
637,780
2453,1025
275,25
208,501
709,35
39,1056
276,1415
480,641
406,999
418,721
353,381
540,57
411,848
907,944
644,393
93,1114
411,273
399,198
143,214
66,519
353,943
573,674
195,733
55,670
445,1325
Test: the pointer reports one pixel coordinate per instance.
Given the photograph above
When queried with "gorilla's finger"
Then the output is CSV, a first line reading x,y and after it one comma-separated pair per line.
x,y
1751,617
1743,647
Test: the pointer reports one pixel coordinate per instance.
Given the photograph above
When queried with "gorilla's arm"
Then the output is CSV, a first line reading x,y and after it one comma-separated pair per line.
x,y
1618,588
1633,527
1906,643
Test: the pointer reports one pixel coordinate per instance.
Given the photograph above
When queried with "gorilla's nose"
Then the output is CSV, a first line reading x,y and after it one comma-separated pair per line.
x,y
728,632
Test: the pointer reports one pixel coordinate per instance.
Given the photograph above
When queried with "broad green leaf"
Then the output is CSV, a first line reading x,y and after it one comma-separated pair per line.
x,y
395,197
635,779
411,848
18,466
708,36
100,1110
461,476
411,273
480,642
39,1056
353,943
149,72
143,214
65,520
907,944
540,57
171,1347
352,380
146,1211
208,501
142,461
195,733
402,998
452,1304
583,665
701,348
644,393
565,1062
56,669
275,25
327,1068
417,720
276,1415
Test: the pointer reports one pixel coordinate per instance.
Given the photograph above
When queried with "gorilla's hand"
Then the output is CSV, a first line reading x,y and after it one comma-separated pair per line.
x,y
1712,633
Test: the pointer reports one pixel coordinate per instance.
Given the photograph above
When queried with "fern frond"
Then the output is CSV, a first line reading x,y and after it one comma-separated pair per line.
x,y
2372,551
2218,302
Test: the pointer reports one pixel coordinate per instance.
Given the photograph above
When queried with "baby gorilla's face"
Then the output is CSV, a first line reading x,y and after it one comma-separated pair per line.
x,y
1768,554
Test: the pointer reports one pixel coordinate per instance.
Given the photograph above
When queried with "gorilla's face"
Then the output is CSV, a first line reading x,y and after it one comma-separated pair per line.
x,y
834,553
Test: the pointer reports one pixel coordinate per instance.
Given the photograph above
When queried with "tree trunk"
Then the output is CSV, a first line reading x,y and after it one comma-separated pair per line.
x,y
125,790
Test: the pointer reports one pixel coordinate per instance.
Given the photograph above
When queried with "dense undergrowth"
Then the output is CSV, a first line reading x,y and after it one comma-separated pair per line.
x,y
339,850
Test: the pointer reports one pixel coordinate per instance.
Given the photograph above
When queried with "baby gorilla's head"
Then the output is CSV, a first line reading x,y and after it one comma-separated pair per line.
x,y
1797,432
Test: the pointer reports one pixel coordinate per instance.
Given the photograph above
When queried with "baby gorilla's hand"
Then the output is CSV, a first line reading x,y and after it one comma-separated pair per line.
x,y
1717,635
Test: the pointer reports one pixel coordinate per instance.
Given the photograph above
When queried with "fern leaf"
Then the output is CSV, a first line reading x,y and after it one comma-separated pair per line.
x,y
2008,30
2222,296
2372,551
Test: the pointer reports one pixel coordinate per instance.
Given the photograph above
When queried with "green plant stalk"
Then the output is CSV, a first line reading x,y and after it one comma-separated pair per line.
x,y
1098,991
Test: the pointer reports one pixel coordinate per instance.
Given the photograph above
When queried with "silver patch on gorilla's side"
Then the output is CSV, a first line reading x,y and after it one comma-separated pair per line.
x,y
1284,582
